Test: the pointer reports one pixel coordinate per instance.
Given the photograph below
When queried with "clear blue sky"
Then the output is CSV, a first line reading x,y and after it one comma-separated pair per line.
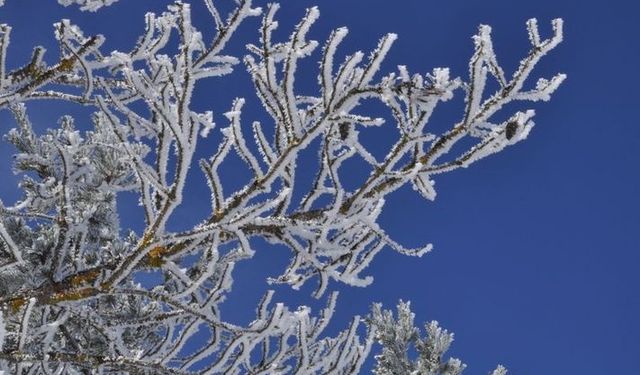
x,y
536,249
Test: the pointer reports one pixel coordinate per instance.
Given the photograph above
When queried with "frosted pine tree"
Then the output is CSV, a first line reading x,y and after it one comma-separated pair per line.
x,y
68,296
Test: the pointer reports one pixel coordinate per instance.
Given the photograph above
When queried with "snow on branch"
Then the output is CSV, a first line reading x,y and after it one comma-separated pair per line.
x,y
85,5
90,5
69,293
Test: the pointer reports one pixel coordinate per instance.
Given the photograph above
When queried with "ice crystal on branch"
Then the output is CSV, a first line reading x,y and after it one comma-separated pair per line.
x,y
90,5
68,291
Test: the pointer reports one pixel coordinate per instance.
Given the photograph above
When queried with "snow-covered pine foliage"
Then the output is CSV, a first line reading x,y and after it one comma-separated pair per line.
x,y
399,336
69,302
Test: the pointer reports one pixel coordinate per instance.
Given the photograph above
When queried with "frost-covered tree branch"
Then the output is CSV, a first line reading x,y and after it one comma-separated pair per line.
x,y
90,5
68,291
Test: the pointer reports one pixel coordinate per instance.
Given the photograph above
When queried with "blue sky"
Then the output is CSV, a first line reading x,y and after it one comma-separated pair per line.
x,y
536,249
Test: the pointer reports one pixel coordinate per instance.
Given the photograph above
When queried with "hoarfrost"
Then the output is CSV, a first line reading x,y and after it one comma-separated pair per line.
x,y
68,279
